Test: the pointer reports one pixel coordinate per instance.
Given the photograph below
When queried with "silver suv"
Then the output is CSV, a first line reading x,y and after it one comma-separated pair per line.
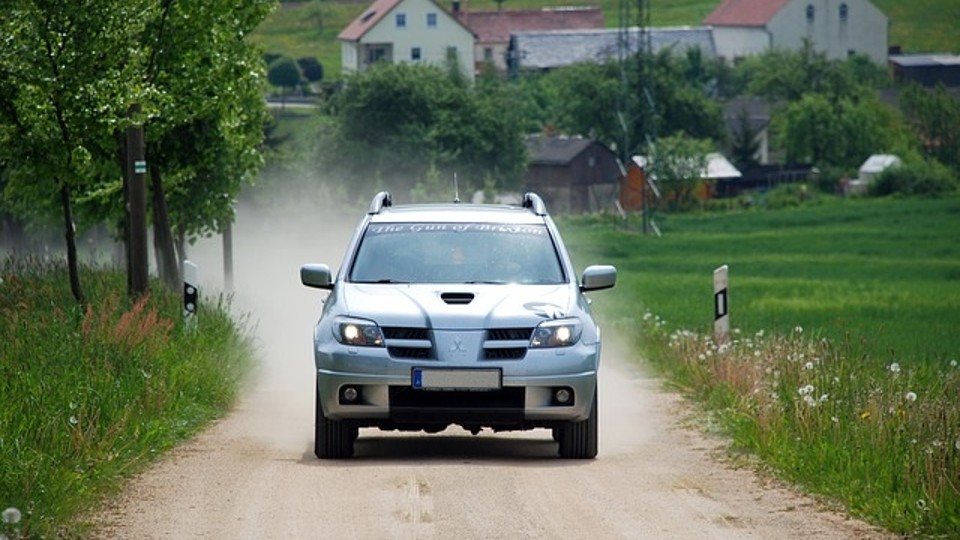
x,y
456,314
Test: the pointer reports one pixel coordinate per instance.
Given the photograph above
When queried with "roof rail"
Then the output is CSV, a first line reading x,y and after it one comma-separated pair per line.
x,y
534,202
380,200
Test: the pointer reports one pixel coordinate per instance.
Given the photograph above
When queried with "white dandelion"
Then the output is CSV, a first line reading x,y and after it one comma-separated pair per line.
x,y
911,396
894,368
11,516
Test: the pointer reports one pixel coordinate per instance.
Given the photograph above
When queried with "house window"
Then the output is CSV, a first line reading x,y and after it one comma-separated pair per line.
x,y
415,53
375,54
844,13
810,13
401,20
431,20
488,54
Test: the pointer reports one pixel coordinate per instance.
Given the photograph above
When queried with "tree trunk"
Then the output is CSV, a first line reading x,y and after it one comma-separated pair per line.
x,y
71,236
125,221
162,236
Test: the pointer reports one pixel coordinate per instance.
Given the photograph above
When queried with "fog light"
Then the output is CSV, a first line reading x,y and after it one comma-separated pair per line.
x,y
563,396
349,394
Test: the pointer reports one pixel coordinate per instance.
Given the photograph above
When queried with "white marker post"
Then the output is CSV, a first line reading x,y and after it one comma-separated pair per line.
x,y
191,293
721,308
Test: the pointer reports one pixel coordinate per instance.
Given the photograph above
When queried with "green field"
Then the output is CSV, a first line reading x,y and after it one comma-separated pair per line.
x,y
843,373
299,29
886,270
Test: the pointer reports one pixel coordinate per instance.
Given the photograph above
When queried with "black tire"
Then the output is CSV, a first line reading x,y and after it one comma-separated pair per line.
x,y
578,440
333,439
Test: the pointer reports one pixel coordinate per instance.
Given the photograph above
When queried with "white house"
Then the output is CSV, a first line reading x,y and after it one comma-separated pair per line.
x,y
415,31
838,28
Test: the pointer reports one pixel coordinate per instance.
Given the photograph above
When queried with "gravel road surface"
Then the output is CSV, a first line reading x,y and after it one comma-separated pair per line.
x,y
253,473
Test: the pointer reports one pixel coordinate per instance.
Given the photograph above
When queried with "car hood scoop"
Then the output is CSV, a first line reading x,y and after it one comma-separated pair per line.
x,y
457,298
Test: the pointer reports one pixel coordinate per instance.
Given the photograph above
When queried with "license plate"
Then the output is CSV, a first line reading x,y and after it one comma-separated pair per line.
x,y
456,379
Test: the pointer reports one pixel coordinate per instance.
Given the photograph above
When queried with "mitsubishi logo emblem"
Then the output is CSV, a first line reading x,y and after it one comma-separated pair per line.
x,y
457,345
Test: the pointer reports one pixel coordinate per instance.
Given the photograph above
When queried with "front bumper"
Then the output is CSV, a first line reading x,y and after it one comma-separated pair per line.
x,y
386,397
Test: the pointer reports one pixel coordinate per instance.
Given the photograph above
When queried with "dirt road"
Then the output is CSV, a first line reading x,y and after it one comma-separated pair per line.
x,y
253,474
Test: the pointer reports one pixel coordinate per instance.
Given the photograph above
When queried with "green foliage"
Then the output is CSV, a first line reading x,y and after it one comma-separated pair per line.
x,y
71,76
840,131
91,396
921,177
284,73
936,117
677,163
394,121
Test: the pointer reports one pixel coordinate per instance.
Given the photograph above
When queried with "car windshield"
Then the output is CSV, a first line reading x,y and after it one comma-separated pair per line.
x,y
456,253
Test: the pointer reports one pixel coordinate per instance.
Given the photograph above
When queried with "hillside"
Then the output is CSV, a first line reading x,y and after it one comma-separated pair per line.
x,y
301,29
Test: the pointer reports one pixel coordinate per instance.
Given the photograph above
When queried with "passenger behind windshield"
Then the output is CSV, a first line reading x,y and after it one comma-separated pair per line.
x,y
456,253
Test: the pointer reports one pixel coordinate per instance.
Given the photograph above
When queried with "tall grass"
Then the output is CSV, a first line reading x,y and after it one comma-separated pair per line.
x,y
843,374
90,395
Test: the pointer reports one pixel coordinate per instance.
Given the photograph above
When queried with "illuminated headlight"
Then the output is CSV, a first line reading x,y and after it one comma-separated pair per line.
x,y
561,333
357,332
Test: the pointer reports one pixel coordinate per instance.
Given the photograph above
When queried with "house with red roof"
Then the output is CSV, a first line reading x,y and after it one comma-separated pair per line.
x,y
398,31
838,28
494,28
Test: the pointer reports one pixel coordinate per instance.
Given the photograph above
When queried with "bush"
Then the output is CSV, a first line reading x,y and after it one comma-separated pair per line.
x,y
927,177
311,68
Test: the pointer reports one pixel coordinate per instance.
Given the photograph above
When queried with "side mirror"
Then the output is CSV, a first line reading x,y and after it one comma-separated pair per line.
x,y
597,277
316,276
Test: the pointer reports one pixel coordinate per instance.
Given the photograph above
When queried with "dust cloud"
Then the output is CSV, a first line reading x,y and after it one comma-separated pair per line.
x,y
271,239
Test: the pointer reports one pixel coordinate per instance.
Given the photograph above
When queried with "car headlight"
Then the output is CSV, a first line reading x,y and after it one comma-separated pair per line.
x,y
560,333
357,332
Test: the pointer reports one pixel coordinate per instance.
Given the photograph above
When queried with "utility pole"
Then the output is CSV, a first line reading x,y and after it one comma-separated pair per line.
x,y
137,272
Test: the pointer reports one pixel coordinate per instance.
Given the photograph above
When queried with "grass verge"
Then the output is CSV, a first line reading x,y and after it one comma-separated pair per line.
x,y
89,396
843,376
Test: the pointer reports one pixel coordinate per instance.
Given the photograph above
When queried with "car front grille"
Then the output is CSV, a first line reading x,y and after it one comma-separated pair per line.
x,y
506,343
408,343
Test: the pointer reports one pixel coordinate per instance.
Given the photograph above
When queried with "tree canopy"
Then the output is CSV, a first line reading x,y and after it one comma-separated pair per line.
x,y
394,122
72,72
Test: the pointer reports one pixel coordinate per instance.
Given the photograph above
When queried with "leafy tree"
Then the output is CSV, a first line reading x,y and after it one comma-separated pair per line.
x,y
395,121
745,145
788,75
285,73
677,163
935,115
841,133
67,80
311,68
584,100
74,70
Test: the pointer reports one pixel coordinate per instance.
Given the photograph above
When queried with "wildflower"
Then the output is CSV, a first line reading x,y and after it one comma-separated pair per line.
x,y
956,444
953,363
824,398
810,401
911,396
73,420
866,414
798,329
808,365
894,368
834,419
806,390
756,353
921,504
702,357
11,516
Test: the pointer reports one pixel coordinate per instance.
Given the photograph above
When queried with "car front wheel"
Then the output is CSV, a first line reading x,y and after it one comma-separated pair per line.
x,y
578,440
333,439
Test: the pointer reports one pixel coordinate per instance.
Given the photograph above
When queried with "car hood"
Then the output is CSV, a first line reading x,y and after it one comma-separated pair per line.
x,y
458,307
